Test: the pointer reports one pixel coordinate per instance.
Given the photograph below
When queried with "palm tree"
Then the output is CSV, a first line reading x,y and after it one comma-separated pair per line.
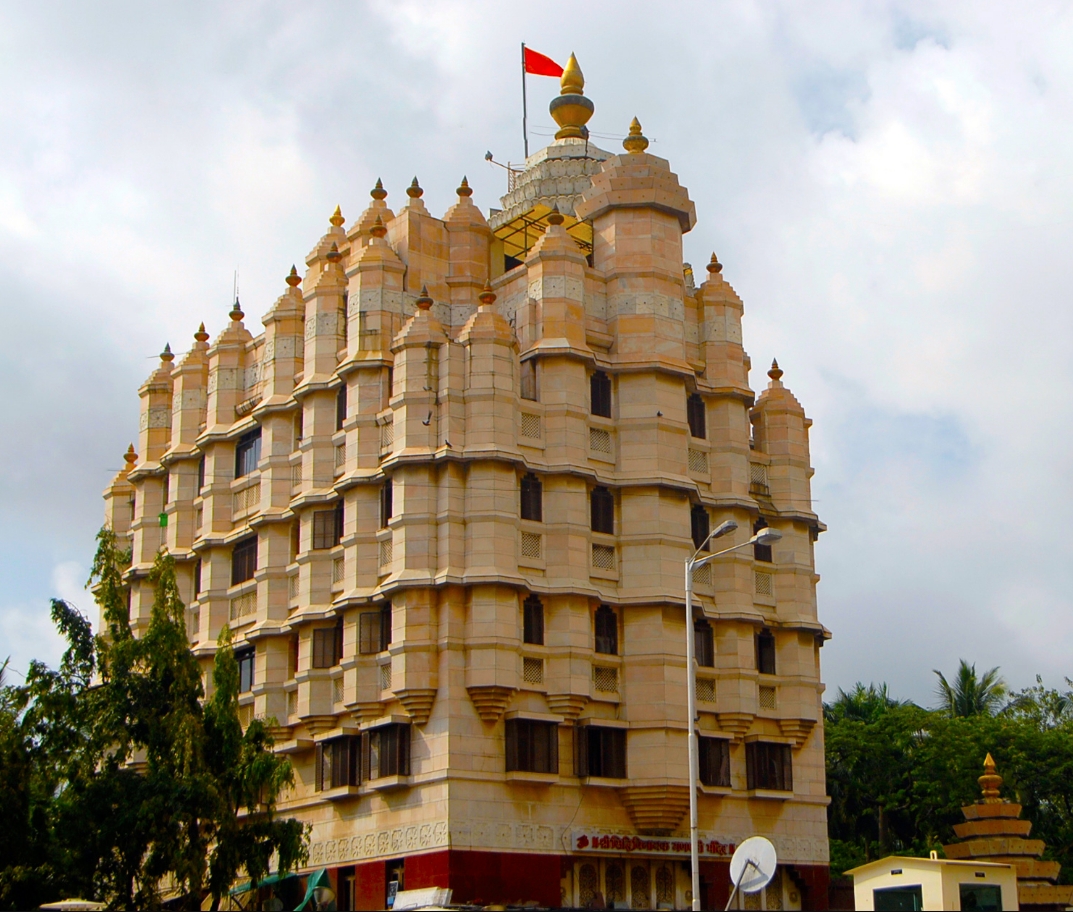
x,y
970,695
861,704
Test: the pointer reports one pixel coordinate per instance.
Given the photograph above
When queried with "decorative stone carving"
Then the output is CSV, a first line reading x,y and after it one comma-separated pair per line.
x,y
737,723
491,701
656,809
798,729
418,702
567,705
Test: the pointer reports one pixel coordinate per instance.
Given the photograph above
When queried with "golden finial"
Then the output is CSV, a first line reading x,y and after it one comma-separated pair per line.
x,y
570,108
573,80
464,188
201,335
293,279
378,192
333,255
714,266
166,356
130,457
236,313
424,302
990,782
378,230
414,191
636,142
555,217
487,296
337,218
776,372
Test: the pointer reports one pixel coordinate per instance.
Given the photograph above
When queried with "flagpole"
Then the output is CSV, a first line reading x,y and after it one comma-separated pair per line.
x,y
525,128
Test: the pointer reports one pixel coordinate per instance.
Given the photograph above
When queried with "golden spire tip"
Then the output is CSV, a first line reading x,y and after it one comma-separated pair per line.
x,y
378,192
636,142
337,218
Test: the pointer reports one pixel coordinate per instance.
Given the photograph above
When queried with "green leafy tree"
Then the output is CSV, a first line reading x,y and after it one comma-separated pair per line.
x,y
969,695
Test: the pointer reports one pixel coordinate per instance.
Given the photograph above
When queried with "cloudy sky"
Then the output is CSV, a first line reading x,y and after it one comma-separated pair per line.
x,y
888,186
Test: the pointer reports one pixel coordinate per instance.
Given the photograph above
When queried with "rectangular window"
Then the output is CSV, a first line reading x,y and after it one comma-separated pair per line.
x,y
601,752
698,522
768,766
704,644
895,899
602,508
529,380
374,630
983,897
292,658
532,747
167,487
245,659
695,413
338,763
328,645
247,453
244,560
533,621
387,751
532,498
328,527
340,407
200,474
761,552
197,578
385,503
600,394
606,626
715,762
765,652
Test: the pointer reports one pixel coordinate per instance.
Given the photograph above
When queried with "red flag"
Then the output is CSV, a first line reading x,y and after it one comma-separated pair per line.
x,y
539,65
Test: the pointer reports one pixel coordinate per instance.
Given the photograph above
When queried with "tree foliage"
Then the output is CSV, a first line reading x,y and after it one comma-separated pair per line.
x,y
119,779
969,695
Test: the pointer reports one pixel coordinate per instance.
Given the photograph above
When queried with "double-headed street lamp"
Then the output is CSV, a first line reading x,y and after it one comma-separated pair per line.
x,y
765,536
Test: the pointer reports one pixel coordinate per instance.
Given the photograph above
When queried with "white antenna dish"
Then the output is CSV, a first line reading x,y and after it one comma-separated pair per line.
x,y
752,866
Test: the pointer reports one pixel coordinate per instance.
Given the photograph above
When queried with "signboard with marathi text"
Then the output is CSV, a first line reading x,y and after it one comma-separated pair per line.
x,y
586,842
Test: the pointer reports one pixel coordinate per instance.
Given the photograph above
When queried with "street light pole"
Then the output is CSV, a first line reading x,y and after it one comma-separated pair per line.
x,y
764,536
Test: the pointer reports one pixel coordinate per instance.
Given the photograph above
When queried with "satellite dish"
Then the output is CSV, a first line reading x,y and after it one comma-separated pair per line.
x,y
752,866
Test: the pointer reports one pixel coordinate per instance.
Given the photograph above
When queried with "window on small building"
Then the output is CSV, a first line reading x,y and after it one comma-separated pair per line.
x,y
200,474
374,630
761,552
704,644
699,526
328,527
328,645
768,766
533,621
244,560
340,407
532,746
765,652
385,503
247,453
602,508
894,899
600,394
245,659
532,498
715,762
695,413
529,380
601,752
606,625
387,751
981,897
338,763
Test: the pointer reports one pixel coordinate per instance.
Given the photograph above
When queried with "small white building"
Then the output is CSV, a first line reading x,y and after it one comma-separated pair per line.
x,y
897,883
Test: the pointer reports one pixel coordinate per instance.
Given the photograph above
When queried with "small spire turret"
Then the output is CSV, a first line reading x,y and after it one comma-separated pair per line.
x,y
414,191
464,188
378,192
714,266
636,142
570,108
236,313
424,301
337,219
776,372
379,229
166,356
333,255
201,335
293,279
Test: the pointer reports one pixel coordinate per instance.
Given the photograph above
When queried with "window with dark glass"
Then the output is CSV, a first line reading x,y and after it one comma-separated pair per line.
x,y
200,474
532,746
704,644
698,521
529,380
601,752
600,394
695,413
387,751
292,657
247,452
715,762
761,552
197,577
980,897
385,503
338,763
340,407
328,527
768,766
606,624
296,539
244,560
896,899
602,508
167,488
532,498
245,659
533,621
299,427
328,645
765,652
374,630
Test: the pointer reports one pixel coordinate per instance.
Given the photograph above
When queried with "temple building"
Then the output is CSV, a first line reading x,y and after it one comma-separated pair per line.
x,y
444,499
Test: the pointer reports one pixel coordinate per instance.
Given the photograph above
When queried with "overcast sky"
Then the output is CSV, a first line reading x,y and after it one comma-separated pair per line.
x,y
888,186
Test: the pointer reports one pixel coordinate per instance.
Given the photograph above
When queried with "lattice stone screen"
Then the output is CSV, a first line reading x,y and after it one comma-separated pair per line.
x,y
530,425
705,690
533,671
605,679
767,697
599,441
698,461
603,557
243,605
531,545
763,583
